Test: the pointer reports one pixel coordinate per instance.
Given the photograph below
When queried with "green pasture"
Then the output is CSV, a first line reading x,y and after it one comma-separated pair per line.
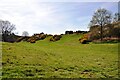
x,y
66,58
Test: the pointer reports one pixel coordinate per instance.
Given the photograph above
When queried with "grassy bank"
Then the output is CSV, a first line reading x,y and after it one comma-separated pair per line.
x,y
66,58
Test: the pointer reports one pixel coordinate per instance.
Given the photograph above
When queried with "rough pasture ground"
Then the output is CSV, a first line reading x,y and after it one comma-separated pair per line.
x,y
66,58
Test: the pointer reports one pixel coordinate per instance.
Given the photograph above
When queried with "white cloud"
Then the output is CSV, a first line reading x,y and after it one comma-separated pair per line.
x,y
29,15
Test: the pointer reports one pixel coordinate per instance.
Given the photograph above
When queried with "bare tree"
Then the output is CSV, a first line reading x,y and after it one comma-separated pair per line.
x,y
25,33
101,17
6,29
6,26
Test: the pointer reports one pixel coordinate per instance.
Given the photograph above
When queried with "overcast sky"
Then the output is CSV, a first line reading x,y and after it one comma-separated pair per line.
x,y
51,17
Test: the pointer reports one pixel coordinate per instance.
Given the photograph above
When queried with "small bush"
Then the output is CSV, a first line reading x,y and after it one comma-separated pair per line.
x,y
51,39
25,39
32,41
43,36
83,41
55,38
20,39
29,40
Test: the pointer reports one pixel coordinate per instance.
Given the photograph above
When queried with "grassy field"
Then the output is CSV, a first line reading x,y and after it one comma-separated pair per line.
x,y
66,58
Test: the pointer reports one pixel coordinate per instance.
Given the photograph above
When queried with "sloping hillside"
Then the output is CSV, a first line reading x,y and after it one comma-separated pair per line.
x,y
69,38
66,58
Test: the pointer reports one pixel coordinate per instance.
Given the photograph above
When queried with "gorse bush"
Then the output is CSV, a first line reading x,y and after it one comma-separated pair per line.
x,y
33,38
43,36
55,38
33,41
84,39
22,38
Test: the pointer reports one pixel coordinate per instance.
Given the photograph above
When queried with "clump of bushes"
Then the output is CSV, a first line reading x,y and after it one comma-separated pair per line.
x,y
32,41
40,36
8,37
22,38
43,36
80,32
76,32
111,33
68,32
36,37
55,38
84,39
33,38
